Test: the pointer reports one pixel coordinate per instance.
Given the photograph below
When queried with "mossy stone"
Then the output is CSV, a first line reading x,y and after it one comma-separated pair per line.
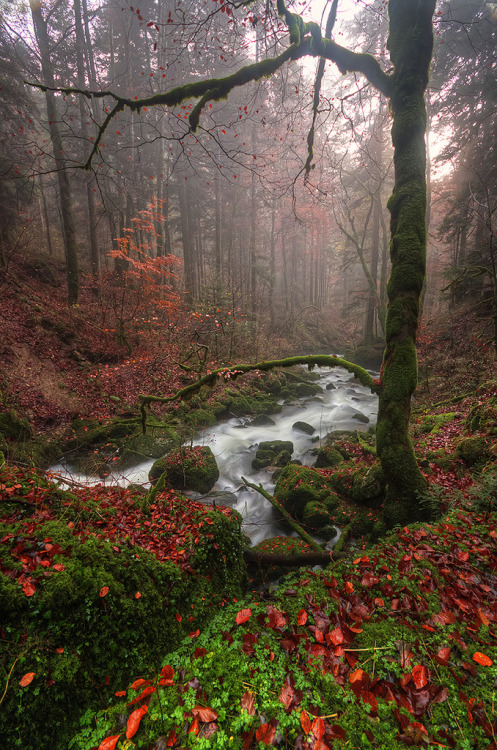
x,y
188,469
303,427
272,453
368,484
296,486
328,456
473,450
13,427
316,516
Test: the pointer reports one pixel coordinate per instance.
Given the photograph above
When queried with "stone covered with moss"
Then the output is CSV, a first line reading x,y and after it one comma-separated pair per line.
x,y
188,468
473,450
272,453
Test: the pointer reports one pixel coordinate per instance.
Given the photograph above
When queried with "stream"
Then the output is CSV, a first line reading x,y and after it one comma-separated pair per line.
x,y
342,405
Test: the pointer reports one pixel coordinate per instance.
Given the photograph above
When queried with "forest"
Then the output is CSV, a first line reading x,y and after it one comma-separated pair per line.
x,y
248,398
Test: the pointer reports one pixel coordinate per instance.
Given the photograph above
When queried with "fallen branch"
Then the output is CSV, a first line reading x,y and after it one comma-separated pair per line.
x,y
293,523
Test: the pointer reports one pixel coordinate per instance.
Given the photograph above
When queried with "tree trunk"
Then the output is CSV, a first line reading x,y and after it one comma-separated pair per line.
x,y
410,43
90,195
69,232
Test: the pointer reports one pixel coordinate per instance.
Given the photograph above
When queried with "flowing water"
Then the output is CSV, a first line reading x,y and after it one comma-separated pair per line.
x,y
234,444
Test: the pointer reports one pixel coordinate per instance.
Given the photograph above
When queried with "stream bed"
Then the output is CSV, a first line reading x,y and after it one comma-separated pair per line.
x,y
343,405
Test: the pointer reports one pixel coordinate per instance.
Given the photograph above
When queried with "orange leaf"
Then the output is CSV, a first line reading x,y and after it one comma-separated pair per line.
x,y
243,616
305,722
109,743
27,679
137,595
103,591
120,693
349,587
138,683
134,721
485,661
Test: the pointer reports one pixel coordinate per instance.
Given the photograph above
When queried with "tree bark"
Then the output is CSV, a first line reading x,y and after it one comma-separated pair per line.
x,y
410,43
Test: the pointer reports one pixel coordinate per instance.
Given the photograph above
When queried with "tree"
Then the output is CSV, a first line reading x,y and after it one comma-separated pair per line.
x,y
70,244
410,44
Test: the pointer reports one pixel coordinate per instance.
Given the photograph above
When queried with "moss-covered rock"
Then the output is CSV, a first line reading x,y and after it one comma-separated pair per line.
x,y
303,427
473,450
272,453
298,485
368,486
100,613
328,456
188,468
13,427
316,516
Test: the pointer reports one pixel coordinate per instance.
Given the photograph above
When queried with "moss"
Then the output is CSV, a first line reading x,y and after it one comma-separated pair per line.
x,y
316,516
13,427
473,450
188,469
303,427
433,423
83,646
368,485
328,456
272,453
298,485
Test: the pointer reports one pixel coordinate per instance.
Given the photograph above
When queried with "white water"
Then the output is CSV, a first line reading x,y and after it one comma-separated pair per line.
x,y
234,444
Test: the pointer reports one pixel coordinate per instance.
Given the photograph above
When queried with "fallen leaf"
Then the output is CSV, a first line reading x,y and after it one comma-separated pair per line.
x,y
482,659
109,743
103,591
134,721
27,679
243,616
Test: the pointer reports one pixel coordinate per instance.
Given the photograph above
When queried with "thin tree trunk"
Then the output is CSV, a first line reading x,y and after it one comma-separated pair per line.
x,y
70,244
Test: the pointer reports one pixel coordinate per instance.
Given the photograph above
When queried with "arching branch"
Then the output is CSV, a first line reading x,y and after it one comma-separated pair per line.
x,y
305,40
231,373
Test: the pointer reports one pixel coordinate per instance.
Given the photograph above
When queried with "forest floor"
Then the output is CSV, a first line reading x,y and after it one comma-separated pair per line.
x,y
392,645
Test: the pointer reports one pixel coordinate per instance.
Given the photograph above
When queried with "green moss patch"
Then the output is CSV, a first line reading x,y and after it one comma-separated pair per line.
x,y
93,591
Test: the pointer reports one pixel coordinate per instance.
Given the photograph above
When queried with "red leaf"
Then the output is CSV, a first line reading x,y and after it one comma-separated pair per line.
x,y
59,567
335,637
103,591
265,733
349,587
243,616
248,703
302,617
138,595
482,659
204,713
194,726
420,676
286,696
134,721
318,727
138,683
28,588
109,743
120,693
305,722
27,679
167,675
443,656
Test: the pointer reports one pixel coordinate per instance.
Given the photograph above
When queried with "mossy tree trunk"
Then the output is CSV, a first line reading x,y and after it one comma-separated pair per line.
x,y
410,44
